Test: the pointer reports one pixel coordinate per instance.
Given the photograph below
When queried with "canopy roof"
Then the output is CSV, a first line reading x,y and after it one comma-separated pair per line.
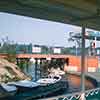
x,y
76,12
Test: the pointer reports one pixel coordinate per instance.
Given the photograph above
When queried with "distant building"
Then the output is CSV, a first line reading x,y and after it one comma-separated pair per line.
x,y
42,49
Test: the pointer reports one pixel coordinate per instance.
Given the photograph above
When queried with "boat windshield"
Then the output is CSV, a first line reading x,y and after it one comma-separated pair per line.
x,y
55,77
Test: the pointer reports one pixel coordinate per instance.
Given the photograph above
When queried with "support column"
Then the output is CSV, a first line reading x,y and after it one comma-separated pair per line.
x,y
17,61
27,65
36,65
83,64
40,67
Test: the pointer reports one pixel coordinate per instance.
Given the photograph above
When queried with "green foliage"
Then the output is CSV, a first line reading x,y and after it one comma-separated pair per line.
x,y
9,48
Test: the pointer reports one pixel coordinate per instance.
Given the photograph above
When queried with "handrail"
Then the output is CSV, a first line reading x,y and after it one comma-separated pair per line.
x,y
74,95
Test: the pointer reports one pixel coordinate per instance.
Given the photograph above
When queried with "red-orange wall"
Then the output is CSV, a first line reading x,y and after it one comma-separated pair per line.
x,y
89,62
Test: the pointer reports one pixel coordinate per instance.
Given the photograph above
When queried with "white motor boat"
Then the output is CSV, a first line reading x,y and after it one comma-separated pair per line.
x,y
52,84
50,80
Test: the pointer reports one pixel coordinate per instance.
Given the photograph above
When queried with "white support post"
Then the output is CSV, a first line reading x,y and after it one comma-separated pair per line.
x,y
95,41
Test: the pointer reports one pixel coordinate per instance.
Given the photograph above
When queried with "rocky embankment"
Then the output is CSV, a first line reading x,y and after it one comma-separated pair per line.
x,y
10,72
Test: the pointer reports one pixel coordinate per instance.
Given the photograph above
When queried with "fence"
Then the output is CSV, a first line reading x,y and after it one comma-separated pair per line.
x,y
75,96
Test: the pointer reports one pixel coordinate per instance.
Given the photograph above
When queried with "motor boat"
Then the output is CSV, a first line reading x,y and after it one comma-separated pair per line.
x,y
6,90
52,84
24,85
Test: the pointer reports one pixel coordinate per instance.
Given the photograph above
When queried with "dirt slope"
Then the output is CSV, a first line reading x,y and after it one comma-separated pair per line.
x,y
10,72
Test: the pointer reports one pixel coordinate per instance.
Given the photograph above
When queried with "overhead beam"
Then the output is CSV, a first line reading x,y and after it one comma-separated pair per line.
x,y
55,10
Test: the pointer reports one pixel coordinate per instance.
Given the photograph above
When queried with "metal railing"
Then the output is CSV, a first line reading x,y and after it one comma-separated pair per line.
x,y
74,96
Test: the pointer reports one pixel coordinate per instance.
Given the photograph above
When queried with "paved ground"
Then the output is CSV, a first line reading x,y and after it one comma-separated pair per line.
x,y
93,75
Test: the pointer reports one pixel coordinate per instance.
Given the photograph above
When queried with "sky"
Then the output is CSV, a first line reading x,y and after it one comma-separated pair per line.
x,y
27,30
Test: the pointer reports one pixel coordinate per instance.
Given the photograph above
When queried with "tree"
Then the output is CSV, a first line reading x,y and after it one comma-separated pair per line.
x,y
9,48
72,38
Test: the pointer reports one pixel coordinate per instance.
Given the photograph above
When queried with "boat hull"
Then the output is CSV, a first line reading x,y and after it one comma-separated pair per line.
x,y
5,91
42,90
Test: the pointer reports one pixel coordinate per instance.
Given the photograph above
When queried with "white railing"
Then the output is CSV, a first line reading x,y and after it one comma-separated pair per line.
x,y
77,95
